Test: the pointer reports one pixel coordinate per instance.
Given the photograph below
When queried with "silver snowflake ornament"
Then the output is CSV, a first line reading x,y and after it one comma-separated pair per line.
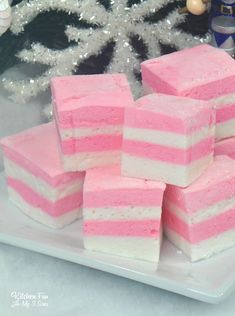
x,y
116,24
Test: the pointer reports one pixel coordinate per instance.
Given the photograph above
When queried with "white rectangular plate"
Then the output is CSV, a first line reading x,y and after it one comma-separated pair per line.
x,y
211,280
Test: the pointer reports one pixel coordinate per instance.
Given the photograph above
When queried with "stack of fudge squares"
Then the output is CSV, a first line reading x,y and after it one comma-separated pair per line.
x,y
135,169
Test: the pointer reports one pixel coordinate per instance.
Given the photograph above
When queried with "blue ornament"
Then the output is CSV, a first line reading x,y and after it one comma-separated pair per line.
x,y
222,24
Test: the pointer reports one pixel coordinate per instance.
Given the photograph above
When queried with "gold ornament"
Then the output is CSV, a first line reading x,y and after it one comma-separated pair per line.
x,y
196,7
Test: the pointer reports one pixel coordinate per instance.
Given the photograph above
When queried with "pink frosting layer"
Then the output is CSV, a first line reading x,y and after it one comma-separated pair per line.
x,y
225,113
169,154
226,147
36,151
55,209
216,184
91,144
201,231
109,178
77,87
201,72
170,113
81,101
94,115
123,197
134,228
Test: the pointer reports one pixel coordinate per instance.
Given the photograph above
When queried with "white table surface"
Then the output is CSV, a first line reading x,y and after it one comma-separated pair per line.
x,y
70,289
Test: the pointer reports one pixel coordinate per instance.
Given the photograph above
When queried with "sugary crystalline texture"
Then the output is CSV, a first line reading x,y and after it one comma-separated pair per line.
x,y
202,72
89,114
168,138
200,219
226,147
36,181
122,216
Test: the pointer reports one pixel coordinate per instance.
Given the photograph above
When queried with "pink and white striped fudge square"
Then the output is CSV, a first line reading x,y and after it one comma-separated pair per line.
x,y
89,113
36,181
122,216
168,138
202,72
200,219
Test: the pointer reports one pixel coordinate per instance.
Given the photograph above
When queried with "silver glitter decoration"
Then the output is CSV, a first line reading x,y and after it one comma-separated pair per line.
x,y
116,24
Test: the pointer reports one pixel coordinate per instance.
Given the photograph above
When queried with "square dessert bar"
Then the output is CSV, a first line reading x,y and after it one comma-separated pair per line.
x,y
226,147
168,138
89,113
122,216
200,219
36,181
202,72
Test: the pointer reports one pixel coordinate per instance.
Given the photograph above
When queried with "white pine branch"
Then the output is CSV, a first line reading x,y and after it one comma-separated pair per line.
x,y
26,11
138,12
78,35
23,90
92,12
37,53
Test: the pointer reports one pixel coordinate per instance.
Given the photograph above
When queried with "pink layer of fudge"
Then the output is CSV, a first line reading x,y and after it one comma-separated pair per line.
x,y
167,154
57,208
91,144
226,147
134,228
225,113
201,231
95,110
123,197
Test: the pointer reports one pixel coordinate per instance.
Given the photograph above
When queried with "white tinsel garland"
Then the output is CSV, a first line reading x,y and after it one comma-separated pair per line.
x,y
116,24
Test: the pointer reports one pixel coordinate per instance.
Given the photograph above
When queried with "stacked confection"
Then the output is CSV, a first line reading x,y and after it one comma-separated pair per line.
x,y
89,115
37,182
147,166
200,219
168,138
122,215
